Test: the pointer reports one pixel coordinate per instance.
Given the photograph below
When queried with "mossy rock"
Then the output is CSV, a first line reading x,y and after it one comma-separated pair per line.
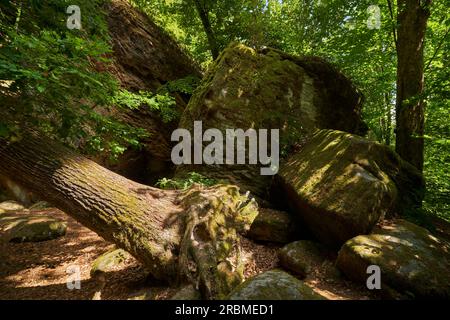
x,y
413,262
302,256
10,206
187,293
341,185
274,285
269,89
109,261
40,205
272,226
146,294
30,228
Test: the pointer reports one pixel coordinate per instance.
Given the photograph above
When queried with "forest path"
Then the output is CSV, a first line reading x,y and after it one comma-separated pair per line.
x,y
39,270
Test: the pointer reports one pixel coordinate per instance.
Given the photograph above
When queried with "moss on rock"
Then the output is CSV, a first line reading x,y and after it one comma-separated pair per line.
x,y
40,205
109,261
274,285
10,206
341,184
267,89
412,261
30,228
301,256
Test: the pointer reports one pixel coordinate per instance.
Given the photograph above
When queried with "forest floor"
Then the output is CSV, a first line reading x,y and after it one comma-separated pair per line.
x,y
39,270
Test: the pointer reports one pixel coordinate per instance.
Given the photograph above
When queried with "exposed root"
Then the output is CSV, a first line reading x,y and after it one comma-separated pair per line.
x,y
210,252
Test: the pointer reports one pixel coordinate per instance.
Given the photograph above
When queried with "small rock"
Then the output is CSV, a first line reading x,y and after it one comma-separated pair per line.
x,y
10,206
187,293
301,257
274,285
109,261
413,262
30,228
272,226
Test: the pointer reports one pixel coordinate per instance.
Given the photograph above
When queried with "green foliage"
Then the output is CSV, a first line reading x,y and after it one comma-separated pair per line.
x,y
437,159
241,20
437,125
50,79
337,30
185,85
185,183
163,103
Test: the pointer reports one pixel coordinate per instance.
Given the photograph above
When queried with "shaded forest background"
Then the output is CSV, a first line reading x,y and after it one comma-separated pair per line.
x,y
61,79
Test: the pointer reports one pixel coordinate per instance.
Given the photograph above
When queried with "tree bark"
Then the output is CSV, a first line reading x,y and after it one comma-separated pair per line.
x,y
388,115
412,19
184,235
204,17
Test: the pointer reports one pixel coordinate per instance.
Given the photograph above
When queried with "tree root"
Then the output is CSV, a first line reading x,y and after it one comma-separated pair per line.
x,y
210,251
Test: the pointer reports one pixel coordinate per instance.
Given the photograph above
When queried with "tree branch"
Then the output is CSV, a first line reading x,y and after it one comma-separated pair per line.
x,y
394,33
437,50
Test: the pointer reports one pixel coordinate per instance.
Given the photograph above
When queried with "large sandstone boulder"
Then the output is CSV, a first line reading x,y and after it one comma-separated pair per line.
x,y
341,185
23,227
274,285
412,261
269,89
145,55
144,58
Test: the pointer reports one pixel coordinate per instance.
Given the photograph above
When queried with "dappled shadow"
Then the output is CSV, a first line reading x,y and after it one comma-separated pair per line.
x,y
77,241
343,184
38,270
47,292
411,259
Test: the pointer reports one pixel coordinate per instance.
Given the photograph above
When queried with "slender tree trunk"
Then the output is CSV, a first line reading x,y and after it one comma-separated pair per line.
x,y
187,235
204,17
387,100
412,19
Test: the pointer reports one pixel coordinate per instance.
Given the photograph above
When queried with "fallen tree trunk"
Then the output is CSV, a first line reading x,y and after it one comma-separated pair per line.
x,y
190,235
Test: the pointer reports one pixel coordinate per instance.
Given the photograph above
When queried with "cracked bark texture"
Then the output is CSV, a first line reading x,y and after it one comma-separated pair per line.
x,y
178,235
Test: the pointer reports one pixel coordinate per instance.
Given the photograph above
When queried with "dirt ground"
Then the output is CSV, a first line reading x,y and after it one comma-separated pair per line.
x,y
39,270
